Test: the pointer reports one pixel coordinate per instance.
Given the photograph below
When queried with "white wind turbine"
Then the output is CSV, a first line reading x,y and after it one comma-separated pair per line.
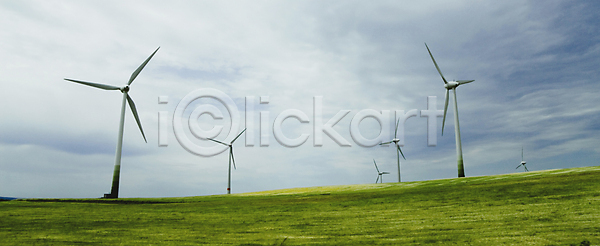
x,y
522,162
398,150
114,191
451,85
230,145
380,174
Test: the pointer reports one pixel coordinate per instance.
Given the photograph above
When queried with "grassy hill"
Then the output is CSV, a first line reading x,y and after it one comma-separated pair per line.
x,y
555,207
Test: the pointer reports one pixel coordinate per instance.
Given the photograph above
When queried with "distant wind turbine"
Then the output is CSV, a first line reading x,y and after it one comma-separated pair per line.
x,y
230,145
380,174
522,162
451,85
398,150
114,191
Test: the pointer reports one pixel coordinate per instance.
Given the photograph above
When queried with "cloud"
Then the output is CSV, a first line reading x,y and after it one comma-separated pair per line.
x,y
534,70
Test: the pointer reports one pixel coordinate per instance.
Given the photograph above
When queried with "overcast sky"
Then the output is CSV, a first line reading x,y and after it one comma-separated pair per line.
x,y
535,66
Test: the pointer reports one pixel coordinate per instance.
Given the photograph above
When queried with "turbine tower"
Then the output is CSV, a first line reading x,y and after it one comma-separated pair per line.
x,y
114,191
522,162
380,174
451,85
398,150
230,145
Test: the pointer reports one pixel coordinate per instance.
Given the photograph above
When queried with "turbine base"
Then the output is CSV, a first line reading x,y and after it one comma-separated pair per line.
x,y
109,195
461,168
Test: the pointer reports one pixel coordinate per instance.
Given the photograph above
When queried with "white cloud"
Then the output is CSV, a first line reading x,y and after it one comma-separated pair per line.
x,y
534,87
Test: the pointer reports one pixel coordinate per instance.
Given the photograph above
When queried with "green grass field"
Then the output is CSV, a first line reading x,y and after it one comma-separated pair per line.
x,y
555,207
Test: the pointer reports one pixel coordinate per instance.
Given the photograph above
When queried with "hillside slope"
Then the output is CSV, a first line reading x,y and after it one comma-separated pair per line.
x,y
554,207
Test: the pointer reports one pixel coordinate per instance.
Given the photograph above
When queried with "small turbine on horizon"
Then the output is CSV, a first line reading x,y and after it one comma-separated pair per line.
x,y
379,173
451,85
398,150
522,162
230,145
114,191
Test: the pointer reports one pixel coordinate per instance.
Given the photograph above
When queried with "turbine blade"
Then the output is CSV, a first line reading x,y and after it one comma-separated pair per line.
x,y
386,143
232,158
436,65
385,173
238,135
521,153
101,86
401,152
396,132
445,110
460,82
376,165
217,141
518,166
377,179
230,162
525,168
135,115
139,69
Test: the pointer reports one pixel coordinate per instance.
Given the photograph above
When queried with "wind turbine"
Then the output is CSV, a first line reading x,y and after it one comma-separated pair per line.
x,y
522,162
451,85
380,174
114,190
230,145
398,150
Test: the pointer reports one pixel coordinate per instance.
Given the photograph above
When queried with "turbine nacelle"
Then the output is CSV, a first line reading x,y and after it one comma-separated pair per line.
x,y
124,89
451,85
